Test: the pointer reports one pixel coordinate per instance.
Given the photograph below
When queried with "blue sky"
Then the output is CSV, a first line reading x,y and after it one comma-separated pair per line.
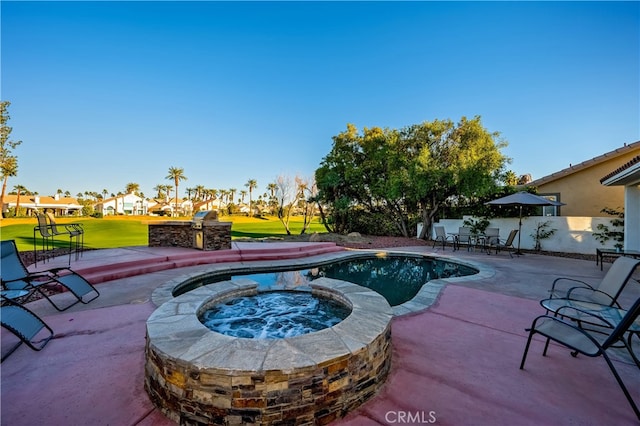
x,y
107,93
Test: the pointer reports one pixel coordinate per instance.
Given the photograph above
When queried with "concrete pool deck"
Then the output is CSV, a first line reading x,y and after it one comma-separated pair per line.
x,y
455,363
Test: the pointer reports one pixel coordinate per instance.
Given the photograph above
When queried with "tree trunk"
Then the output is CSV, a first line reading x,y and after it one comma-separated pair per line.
x,y
427,219
284,218
324,219
17,203
4,189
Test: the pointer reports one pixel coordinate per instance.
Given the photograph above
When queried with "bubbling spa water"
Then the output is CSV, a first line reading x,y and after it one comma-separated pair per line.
x,y
274,315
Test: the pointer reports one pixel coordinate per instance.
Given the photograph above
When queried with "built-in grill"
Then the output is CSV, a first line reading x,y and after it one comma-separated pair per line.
x,y
198,222
203,216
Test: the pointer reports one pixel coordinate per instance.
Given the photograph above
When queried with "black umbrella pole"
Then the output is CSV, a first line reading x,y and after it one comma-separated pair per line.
x,y
518,252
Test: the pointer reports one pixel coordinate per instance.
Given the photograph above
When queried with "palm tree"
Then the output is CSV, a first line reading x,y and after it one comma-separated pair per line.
x,y
177,174
251,184
8,162
232,193
132,188
243,194
18,189
272,187
223,194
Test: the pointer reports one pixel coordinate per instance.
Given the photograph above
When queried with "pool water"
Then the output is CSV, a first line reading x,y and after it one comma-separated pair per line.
x,y
396,277
274,315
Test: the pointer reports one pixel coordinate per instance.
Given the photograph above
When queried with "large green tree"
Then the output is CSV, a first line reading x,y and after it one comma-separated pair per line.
x,y
8,161
393,178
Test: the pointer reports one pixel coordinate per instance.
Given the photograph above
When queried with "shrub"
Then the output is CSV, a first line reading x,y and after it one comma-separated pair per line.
x,y
542,232
616,234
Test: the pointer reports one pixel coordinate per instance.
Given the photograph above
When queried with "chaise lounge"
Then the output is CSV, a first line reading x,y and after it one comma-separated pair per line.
x,y
15,276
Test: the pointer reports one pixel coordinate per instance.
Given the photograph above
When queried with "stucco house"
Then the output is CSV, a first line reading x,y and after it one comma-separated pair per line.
x,y
167,206
579,186
127,204
627,177
58,204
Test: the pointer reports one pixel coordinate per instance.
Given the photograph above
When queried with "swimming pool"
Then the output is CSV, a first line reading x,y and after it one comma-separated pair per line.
x,y
397,277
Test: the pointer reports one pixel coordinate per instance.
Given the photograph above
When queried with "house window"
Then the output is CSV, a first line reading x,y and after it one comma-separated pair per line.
x,y
550,210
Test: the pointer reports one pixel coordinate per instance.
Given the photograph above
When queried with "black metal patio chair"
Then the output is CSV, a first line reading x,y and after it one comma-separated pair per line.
x,y
590,343
25,325
16,276
441,236
504,244
73,230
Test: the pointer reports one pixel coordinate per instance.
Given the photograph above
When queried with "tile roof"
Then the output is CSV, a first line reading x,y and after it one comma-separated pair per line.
x,y
622,168
586,164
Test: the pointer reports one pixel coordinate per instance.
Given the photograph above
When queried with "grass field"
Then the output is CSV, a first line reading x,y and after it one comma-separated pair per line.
x,y
123,231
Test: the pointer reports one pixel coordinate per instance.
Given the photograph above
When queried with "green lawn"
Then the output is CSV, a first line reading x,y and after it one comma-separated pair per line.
x,y
122,231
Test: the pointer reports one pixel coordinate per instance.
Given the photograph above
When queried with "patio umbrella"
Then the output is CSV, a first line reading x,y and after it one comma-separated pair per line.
x,y
520,199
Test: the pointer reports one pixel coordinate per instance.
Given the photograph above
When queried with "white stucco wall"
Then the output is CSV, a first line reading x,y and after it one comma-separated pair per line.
x,y
573,234
632,217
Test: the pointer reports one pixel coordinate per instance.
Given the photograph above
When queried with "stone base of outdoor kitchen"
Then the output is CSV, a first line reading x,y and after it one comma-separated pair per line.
x,y
213,235
196,376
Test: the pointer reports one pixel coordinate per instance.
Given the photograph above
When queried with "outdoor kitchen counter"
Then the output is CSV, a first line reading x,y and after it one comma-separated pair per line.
x,y
204,235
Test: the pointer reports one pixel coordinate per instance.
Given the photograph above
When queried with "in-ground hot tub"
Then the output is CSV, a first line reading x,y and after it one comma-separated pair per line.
x,y
197,376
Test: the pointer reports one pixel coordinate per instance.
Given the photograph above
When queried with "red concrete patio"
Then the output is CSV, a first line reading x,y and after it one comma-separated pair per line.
x,y
455,363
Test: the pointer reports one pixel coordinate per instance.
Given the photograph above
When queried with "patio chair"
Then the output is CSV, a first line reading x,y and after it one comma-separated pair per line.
x,y
441,236
605,293
15,276
465,237
505,244
24,324
490,237
46,236
595,306
588,343
73,230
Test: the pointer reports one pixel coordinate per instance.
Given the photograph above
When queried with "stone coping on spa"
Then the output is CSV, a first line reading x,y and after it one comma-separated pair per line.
x,y
197,376
175,330
425,297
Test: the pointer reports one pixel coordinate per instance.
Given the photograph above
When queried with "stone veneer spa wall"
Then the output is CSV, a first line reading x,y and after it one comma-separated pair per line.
x,y
197,376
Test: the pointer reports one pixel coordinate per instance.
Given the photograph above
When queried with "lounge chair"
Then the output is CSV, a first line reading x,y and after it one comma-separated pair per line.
x,y
440,236
505,244
605,293
15,276
585,342
24,324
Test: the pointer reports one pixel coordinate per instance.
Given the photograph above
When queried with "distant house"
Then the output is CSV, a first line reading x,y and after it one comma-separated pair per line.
x,y
59,205
127,204
209,204
167,207
579,187
627,176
